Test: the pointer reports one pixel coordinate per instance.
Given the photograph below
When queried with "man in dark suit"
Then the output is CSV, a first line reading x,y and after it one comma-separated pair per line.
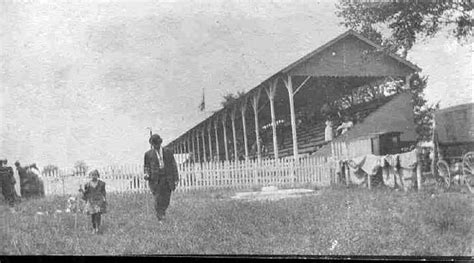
x,y
162,174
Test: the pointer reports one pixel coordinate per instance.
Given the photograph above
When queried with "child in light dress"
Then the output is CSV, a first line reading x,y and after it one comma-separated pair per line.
x,y
95,196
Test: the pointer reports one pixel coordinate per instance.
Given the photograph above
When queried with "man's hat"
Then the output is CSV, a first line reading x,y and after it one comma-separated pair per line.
x,y
155,139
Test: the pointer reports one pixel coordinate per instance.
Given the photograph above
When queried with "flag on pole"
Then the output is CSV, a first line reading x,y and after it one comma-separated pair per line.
x,y
151,133
202,106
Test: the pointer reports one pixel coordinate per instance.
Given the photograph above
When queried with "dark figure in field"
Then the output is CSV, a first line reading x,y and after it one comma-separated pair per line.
x,y
30,184
162,174
95,197
7,183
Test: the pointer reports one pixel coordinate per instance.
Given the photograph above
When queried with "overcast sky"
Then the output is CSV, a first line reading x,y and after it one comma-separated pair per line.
x,y
82,80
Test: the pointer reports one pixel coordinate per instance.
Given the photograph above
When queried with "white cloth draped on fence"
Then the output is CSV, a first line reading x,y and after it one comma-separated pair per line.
x,y
399,168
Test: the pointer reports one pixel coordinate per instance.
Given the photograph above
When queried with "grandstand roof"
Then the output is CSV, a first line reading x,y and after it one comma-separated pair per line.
x,y
348,55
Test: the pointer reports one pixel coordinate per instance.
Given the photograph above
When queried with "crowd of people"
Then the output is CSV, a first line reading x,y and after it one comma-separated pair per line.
x,y
30,183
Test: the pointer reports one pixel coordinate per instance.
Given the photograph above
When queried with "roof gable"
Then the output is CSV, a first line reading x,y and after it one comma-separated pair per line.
x,y
350,54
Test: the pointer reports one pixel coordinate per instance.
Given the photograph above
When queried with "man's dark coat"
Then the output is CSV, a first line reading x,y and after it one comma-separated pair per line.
x,y
157,174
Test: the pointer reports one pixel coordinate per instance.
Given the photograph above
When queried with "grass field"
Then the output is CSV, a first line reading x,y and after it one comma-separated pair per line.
x,y
339,221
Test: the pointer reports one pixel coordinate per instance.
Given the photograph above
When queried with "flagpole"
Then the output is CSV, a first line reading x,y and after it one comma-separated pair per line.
x,y
202,105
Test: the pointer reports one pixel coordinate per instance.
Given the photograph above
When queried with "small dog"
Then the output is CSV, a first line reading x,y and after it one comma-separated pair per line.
x,y
75,204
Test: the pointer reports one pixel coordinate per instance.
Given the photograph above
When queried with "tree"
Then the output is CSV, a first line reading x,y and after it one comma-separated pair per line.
x,y
406,22
424,114
230,98
80,168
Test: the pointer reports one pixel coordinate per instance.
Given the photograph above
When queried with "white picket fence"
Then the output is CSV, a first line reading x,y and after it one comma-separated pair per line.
x,y
317,171
249,174
125,178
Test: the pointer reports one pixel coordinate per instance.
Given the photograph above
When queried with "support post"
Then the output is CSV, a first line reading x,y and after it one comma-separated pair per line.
x,y
192,146
188,145
232,118
348,177
224,128
209,126
185,141
243,109
271,90
418,170
198,146
204,156
255,100
369,184
289,87
216,123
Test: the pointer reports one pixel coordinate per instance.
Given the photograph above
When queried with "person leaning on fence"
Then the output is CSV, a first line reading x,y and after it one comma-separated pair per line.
x,y
96,202
162,174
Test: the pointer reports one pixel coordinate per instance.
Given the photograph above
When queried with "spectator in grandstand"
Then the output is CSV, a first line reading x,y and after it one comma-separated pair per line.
x,y
345,126
95,196
327,112
162,174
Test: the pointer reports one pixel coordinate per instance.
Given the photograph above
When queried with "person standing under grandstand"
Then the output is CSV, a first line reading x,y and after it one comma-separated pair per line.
x,y
345,126
328,131
8,183
95,196
161,172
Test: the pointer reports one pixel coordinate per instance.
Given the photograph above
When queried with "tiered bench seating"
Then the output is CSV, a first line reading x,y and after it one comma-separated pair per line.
x,y
311,136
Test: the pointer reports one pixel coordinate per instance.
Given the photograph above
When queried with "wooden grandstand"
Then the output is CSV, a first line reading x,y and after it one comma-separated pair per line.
x,y
288,103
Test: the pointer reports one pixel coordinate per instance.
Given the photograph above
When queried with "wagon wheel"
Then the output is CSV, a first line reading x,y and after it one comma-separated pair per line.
x,y
445,175
468,169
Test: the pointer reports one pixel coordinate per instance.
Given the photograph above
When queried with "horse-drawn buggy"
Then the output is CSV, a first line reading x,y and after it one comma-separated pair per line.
x,y
454,146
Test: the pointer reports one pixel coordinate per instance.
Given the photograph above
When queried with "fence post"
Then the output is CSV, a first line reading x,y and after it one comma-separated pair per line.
x,y
368,181
347,175
418,171
255,164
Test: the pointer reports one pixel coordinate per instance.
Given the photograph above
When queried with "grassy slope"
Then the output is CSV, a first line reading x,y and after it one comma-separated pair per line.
x,y
377,222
